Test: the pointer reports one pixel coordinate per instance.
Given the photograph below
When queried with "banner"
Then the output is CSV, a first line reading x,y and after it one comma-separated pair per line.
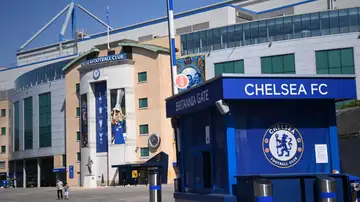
x,y
101,117
192,70
118,117
84,121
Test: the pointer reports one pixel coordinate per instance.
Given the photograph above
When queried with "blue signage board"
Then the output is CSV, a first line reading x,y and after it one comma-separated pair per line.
x,y
196,99
101,117
260,88
109,58
71,172
289,88
59,170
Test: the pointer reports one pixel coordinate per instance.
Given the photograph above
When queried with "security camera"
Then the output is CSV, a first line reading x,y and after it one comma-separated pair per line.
x,y
222,107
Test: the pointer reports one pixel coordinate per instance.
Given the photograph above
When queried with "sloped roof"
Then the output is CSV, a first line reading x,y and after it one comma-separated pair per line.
x,y
93,51
149,47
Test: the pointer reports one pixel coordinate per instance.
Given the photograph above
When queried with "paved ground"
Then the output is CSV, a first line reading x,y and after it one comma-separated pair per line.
x,y
107,194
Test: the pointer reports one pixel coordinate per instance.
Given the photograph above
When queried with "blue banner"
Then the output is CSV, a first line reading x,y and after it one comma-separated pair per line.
x,y
289,88
71,172
101,117
109,58
260,88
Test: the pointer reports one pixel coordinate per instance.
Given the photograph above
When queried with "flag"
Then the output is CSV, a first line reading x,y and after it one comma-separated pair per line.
x,y
108,26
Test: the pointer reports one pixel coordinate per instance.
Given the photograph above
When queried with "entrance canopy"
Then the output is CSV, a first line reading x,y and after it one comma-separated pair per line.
x,y
242,87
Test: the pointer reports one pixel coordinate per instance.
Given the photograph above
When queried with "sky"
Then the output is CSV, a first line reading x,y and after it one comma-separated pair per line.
x,y
21,19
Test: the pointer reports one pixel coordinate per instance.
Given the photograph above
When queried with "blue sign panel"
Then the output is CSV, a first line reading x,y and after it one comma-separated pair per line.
x,y
59,170
71,172
101,117
289,88
196,99
104,59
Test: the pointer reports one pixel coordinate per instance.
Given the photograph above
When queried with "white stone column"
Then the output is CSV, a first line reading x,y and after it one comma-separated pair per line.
x,y
38,172
24,173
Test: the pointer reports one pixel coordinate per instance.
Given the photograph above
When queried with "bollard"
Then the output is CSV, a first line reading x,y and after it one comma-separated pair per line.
x,y
176,185
263,191
154,185
327,189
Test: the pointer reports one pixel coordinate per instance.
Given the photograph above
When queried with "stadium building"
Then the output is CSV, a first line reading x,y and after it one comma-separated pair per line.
x,y
94,115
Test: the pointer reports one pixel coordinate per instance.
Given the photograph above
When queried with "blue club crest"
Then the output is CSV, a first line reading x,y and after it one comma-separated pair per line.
x,y
283,145
96,74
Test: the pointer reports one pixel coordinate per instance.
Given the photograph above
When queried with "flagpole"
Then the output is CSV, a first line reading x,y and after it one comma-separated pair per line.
x,y
170,12
108,28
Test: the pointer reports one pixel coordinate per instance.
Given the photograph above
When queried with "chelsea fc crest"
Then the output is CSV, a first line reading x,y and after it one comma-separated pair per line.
x,y
283,145
96,74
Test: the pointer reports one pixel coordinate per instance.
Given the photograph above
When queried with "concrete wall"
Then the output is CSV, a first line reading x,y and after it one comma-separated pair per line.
x,y
57,89
4,139
304,50
72,77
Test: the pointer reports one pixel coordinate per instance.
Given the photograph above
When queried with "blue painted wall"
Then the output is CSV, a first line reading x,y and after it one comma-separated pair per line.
x,y
253,118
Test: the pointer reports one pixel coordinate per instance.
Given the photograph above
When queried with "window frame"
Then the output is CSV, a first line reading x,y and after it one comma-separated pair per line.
x,y
148,151
3,112
147,103
3,129
147,128
139,76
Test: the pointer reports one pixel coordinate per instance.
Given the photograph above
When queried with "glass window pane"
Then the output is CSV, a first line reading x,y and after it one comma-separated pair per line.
x,y
262,31
354,18
3,131
288,28
348,70
279,26
247,33
183,44
144,152
224,36
305,25
239,67
335,70
322,71
315,24
203,41
289,63
219,69
266,65
144,129
231,36
238,35
209,38
277,64
343,21
334,58
254,29
217,38
271,29
347,57
190,45
297,26
321,60
334,22
325,23
228,67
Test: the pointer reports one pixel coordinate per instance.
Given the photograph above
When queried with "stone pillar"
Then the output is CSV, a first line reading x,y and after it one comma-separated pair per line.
x,y
38,172
24,173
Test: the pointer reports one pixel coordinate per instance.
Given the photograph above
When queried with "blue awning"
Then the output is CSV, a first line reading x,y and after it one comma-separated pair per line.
x,y
236,87
59,170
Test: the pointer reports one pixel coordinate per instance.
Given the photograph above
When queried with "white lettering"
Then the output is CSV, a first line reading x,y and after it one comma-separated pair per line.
x,y
293,89
313,88
275,92
268,89
191,101
261,89
302,89
320,89
284,88
246,89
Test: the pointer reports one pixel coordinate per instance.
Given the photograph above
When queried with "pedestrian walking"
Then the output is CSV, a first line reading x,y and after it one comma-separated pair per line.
x,y
59,187
66,191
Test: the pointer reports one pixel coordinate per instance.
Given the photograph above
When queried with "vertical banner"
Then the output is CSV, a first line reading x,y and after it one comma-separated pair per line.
x,y
84,121
118,118
71,172
190,72
101,117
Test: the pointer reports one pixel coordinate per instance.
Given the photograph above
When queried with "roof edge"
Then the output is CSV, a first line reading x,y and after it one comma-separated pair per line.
x,y
81,56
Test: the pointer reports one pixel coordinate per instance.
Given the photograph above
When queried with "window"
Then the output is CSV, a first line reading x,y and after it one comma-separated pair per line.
x,y
144,152
2,164
3,131
78,156
77,111
77,88
16,127
142,77
236,67
3,112
143,103
28,123
144,129
45,120
64,160
279,64
3,149
78,136
338,61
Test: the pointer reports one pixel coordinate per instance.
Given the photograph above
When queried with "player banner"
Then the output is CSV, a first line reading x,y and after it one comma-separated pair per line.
x,y
190,72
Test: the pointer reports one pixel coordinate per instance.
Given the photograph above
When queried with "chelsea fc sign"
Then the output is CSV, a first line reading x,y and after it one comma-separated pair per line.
x,y
283,145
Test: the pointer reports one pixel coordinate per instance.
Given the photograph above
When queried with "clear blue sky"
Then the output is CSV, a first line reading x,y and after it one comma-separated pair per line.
x,y
21,19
